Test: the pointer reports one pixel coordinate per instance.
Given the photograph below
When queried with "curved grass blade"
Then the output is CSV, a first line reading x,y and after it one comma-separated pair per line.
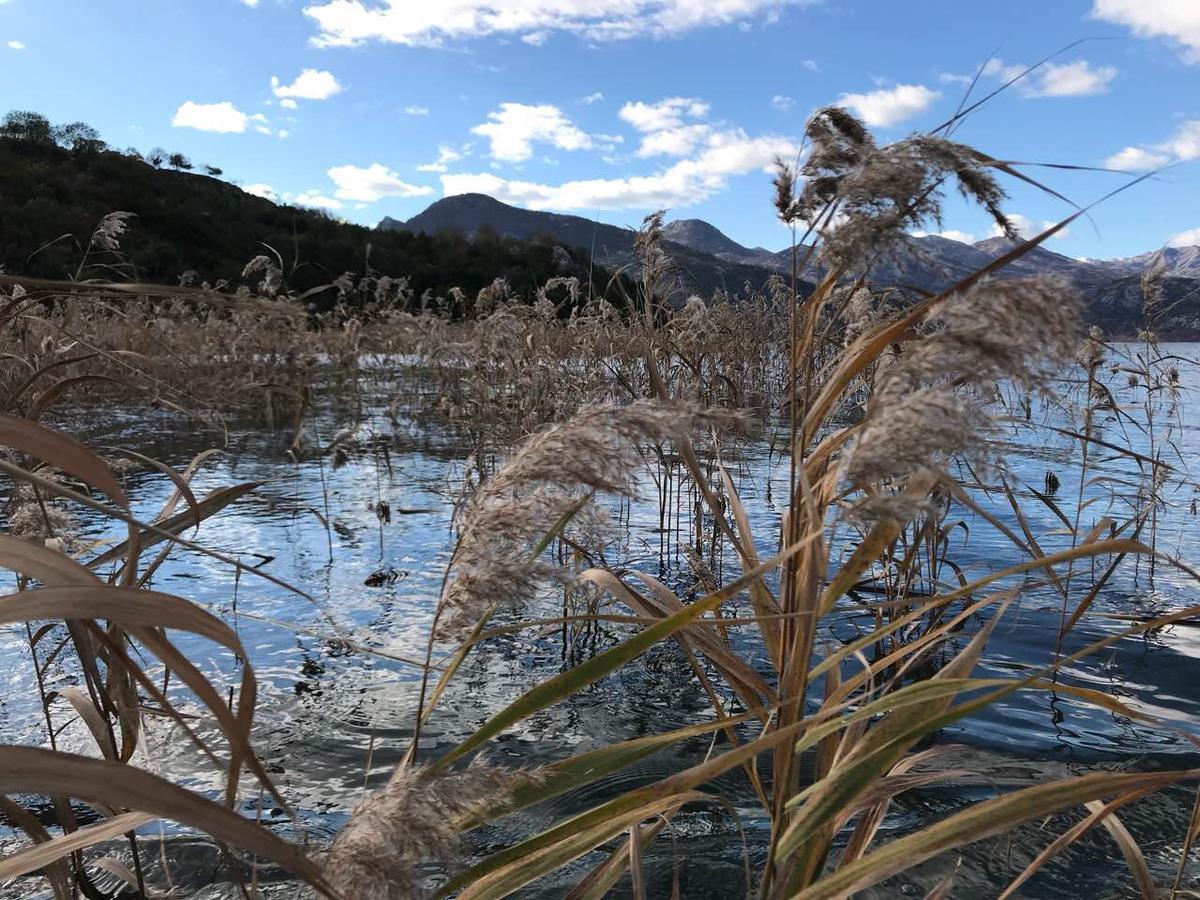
x,y
982,820
26,769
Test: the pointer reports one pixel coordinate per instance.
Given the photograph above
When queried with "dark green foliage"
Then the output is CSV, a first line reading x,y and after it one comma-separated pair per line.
x,y
78,137
52,198
27,126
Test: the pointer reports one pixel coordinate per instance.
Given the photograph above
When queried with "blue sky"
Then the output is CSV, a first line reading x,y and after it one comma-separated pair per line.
x,y
610,108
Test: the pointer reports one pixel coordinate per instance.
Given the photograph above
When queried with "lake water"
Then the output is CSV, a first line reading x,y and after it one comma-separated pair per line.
x,y
332,718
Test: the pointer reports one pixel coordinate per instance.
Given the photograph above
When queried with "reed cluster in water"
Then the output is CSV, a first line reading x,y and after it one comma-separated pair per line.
x,y
886,410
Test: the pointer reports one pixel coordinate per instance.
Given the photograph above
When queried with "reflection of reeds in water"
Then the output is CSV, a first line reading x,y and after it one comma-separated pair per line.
x,y
875,403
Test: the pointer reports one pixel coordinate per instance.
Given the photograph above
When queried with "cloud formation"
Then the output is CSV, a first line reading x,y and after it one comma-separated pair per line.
x,y
1183,146
1073,79
1189,238
1026,228
446,156
261,190
1175,20
514,128
316,200
953,234
669,127
366,185
686,182
664,114
352,22
890,106
222,118
311,84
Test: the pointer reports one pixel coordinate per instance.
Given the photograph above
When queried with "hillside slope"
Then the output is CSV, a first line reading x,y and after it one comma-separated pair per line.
x,y
51,198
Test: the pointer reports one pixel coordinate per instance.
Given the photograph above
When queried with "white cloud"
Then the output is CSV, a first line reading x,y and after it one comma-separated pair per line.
x,y
15,45
1022,225
782,103
317,200
1177,20
679,141
1075,79
350,22
260,124
953,234
310,84
890,106
951,78
289,103
416,110
446,155
810,65
1190,238
1183,146
250,3
515,127
686,182
1136,159
372,183
591,98
664,114
1026,228
261,190
996,68
535,38
224,117
663,126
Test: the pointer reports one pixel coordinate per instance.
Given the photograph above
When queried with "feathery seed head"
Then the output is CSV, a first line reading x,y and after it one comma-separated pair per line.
x,y
108,232
540,485
880,193
1152,280
272,280
785,191
409,822
923,411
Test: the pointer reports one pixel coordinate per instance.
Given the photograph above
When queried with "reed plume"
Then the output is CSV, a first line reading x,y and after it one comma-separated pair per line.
x,y
863,199
107,235
1017,331
408,823
544,480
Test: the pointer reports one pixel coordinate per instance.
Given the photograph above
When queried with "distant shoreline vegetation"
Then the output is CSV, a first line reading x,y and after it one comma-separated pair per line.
x,y
58,181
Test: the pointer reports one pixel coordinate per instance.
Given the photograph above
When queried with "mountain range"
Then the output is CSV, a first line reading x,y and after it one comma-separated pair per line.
x,y
706,259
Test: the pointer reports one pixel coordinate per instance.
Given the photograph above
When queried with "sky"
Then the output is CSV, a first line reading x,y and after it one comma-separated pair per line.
x,y
610,109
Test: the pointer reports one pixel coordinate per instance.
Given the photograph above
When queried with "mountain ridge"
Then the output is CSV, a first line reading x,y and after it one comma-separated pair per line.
x,y
699,234
929,263
472,214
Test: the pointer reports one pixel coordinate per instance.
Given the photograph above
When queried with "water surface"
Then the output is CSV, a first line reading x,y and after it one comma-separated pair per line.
x,y
334,718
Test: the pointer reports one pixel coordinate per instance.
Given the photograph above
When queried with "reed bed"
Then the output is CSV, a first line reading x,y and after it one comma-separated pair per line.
x,y
888,412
